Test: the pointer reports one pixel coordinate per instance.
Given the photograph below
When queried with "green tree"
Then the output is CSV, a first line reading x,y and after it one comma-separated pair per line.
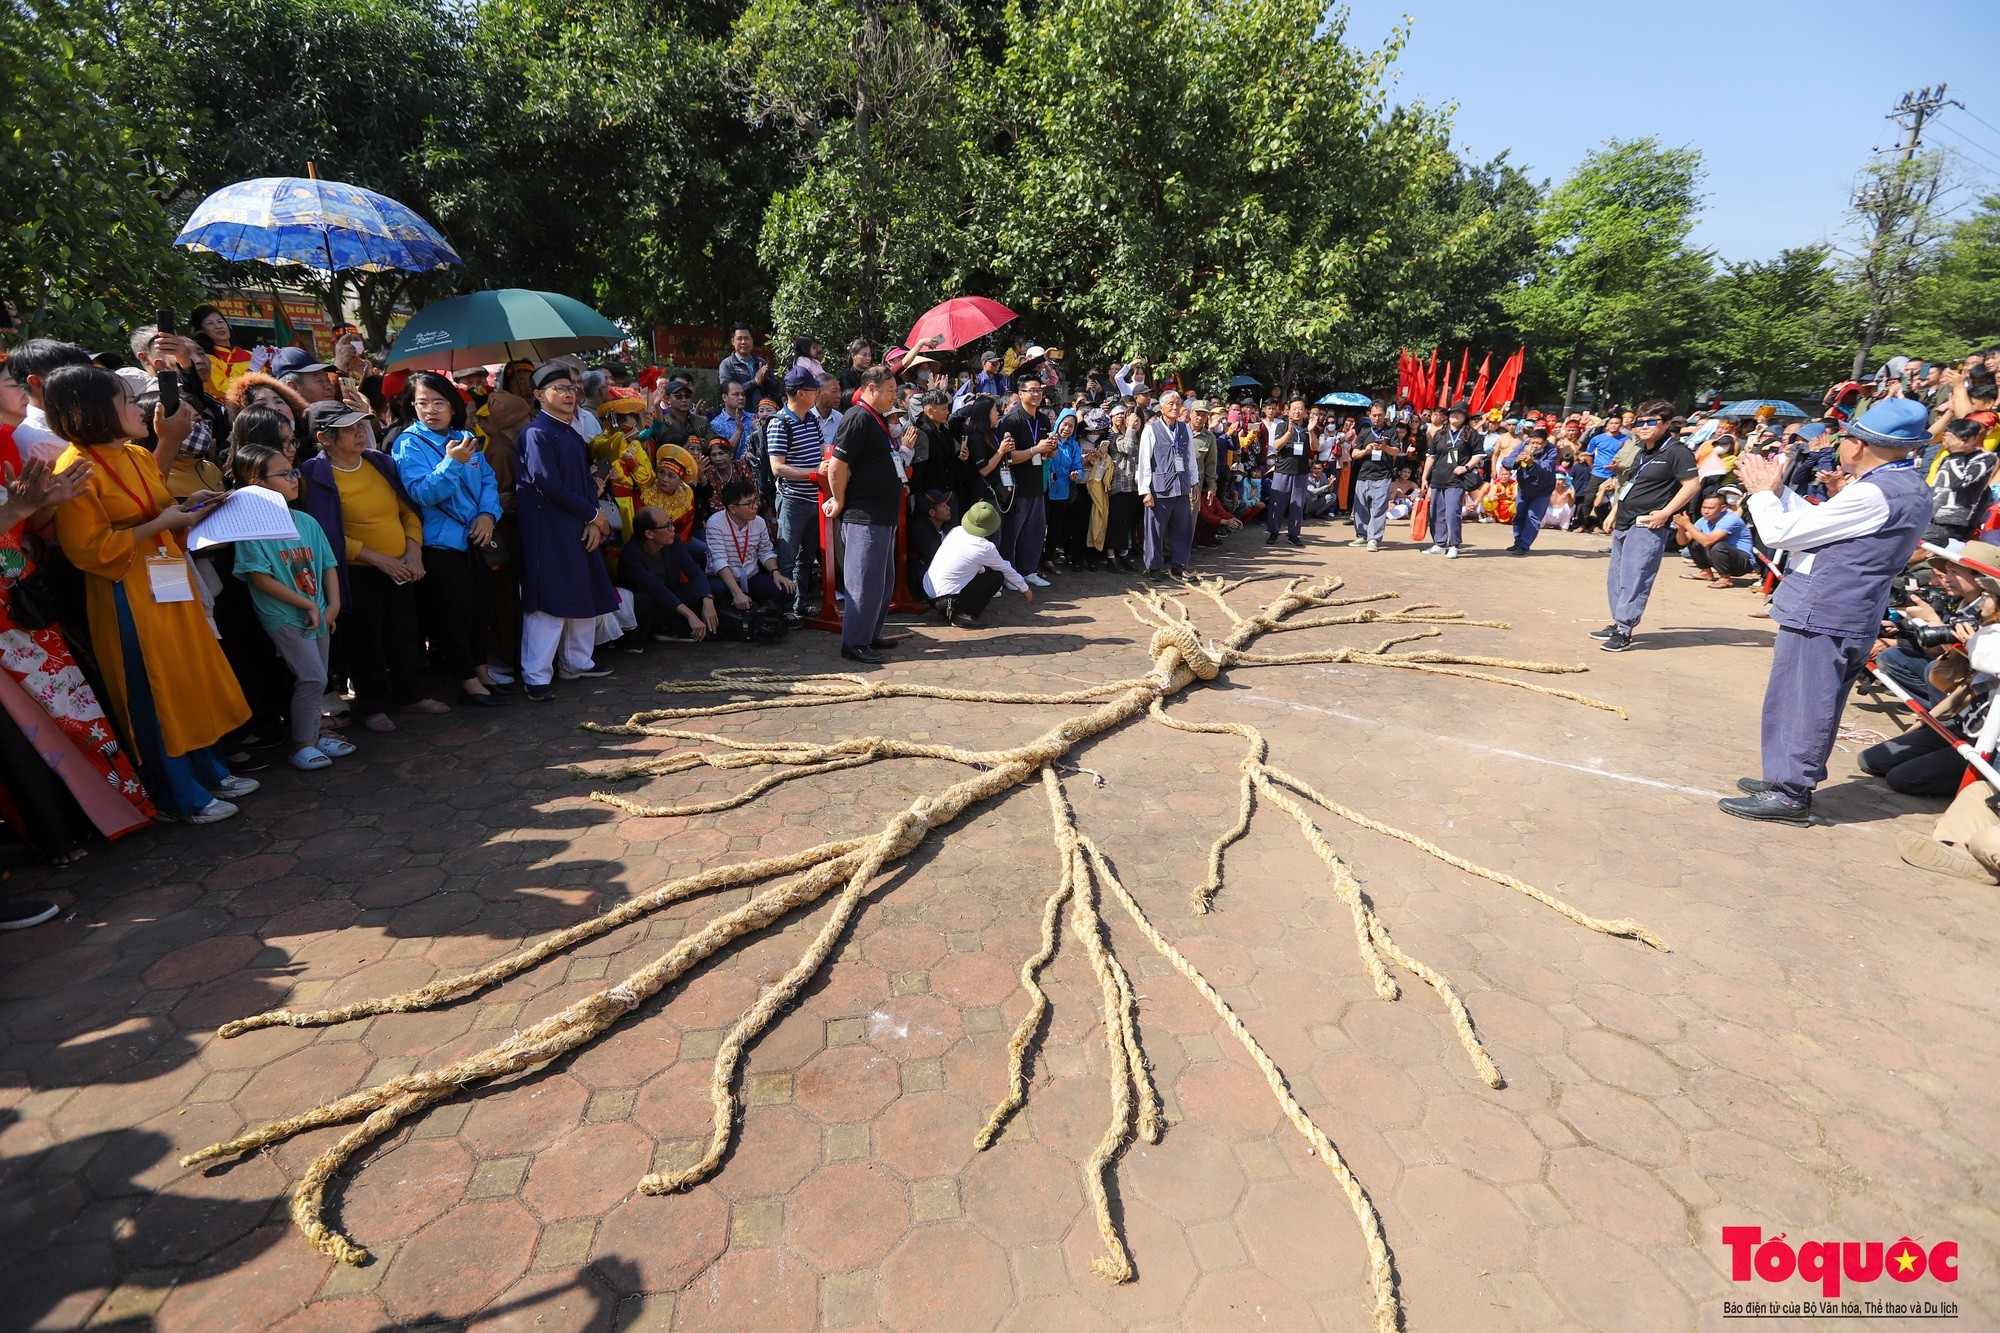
x,y
1954,303
867,94
1779,327
1159,182
281,87
1616,288
87,249
599,151
1895,212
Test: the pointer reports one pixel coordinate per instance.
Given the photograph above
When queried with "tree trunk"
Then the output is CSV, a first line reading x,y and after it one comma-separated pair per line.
x,y
1869,330
868,280
1575,364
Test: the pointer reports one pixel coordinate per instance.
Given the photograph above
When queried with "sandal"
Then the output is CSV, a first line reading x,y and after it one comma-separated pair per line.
x,y
334,747
424,706
378,722
308,759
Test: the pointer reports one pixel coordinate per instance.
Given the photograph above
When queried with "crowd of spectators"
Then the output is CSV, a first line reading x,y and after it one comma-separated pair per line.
x,y
499,530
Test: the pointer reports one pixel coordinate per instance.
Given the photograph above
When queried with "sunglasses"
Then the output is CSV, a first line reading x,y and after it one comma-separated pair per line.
x,y
1646,421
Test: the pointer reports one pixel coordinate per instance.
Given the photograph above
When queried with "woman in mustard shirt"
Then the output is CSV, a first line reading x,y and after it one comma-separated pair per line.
x,y
170,685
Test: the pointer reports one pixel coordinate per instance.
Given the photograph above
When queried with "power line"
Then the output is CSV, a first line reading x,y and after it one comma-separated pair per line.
x,y
1968,142
1968,111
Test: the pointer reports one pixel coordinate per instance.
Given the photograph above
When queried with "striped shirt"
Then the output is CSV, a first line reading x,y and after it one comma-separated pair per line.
x,y
798,442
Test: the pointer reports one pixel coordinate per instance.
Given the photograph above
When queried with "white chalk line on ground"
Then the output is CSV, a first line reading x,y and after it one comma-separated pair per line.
x,y
1484,748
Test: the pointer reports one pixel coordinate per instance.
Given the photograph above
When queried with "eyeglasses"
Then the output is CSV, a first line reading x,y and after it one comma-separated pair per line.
x,y
292,474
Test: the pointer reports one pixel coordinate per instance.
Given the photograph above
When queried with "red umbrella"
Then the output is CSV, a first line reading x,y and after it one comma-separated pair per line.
x,y
959,321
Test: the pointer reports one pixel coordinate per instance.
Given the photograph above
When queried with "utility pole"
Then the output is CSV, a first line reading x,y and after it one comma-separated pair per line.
x,y
1892,200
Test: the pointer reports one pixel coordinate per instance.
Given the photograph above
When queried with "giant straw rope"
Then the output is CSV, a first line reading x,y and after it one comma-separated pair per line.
x,y
847,868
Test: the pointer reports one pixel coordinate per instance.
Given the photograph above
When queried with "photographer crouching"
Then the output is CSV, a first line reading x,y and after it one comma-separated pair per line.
x,y
1830,608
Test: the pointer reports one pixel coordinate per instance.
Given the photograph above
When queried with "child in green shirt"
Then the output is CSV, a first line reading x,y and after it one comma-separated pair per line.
x,y
295,590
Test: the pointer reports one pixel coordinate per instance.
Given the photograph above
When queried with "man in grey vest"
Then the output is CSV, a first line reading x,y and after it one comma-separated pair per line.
x,y
1166,487
1829,609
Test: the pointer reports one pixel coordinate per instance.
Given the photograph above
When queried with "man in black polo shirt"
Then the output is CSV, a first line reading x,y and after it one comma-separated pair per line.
x,y
1642,511
1290,453
867,501
1024,528
1376,450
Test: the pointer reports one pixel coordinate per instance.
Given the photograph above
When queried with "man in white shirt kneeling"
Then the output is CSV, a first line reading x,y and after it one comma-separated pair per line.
x,y
967,570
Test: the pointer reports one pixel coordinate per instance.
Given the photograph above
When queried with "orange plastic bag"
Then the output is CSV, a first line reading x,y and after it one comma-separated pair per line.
x,y
1420,519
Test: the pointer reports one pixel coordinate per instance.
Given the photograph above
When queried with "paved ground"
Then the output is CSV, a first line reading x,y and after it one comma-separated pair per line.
x,y
1820,1055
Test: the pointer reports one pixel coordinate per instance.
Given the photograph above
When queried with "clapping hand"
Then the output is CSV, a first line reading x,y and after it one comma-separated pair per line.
x,y
1759,473
38,485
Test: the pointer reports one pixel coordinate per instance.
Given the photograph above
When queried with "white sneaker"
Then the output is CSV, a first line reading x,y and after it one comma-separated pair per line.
x,y
332,705
1359,541
213,813
235,786
1037,581
1452,554
1432,550
1374,546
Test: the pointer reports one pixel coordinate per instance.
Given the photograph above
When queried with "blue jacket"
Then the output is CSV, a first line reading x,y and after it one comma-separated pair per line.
x,y
449,494
1067,458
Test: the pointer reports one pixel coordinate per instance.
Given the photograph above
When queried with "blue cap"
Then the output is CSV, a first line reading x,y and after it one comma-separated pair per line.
x,y
798,377
295,361
1893,423
1812,431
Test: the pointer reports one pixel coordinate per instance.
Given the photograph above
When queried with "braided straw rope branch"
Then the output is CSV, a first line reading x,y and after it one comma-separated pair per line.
x,y
1180,657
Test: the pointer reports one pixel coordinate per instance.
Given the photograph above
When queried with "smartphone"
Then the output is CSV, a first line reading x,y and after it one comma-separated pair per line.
x,y
170,379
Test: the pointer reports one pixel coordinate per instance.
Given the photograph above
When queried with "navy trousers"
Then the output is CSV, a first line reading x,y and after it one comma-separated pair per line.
x,y
1285,503
1810,676
1170,532
1529,511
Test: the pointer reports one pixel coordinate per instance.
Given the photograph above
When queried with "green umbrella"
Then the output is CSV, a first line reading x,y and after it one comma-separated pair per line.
x,y
510,324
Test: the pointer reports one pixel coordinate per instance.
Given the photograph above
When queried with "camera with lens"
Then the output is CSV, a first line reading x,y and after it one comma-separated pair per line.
x,y
1915,586
1923,637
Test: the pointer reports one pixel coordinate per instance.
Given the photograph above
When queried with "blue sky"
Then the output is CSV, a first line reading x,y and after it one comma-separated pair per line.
x,y
1784,100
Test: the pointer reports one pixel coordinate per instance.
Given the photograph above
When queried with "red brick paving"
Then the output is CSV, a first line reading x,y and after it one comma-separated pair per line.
x,y
1820,1055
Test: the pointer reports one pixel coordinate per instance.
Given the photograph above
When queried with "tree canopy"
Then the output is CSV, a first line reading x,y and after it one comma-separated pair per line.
x,y
1221,185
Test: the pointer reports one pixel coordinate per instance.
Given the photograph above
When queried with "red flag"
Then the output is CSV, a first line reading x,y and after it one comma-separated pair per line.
x,y
1444,389
1510,379
1464,374
1479,389
1431,383
1404,387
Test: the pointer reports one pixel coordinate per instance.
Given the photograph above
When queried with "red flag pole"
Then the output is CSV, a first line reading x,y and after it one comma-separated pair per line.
x,y
1464,372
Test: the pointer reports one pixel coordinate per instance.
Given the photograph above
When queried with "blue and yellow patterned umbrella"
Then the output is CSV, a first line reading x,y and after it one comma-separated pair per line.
x,y
322,224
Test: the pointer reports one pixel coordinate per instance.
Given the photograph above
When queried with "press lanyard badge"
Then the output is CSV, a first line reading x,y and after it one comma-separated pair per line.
x,y
1006,477
1298,448
169,576
1375,455
896,457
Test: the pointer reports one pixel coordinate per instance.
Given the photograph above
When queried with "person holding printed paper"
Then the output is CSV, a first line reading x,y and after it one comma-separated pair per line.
x,y
295,590
168,680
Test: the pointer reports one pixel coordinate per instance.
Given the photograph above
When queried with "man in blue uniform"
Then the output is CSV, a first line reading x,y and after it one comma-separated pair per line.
x,y
1533,462
1829,609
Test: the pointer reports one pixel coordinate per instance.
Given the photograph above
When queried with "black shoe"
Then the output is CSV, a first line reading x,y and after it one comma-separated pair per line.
x,y
591,672
503,687
1296,541
1768,807
541,694
1156,576
1517,550
472,700
884,645
1755,786
24,912
1604,633
1617,642
867,655
793,620
1270,539
968,622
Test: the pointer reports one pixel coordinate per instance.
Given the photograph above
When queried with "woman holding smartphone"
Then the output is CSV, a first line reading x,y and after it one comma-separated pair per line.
x,y
169,682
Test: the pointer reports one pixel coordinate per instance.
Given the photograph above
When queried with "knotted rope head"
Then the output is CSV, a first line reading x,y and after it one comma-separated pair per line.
x,y
1182,638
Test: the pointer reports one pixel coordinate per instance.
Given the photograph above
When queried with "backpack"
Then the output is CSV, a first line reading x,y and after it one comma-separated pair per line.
x,y
760,624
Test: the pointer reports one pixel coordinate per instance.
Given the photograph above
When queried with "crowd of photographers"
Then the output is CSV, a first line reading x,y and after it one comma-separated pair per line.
x,y
502,529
